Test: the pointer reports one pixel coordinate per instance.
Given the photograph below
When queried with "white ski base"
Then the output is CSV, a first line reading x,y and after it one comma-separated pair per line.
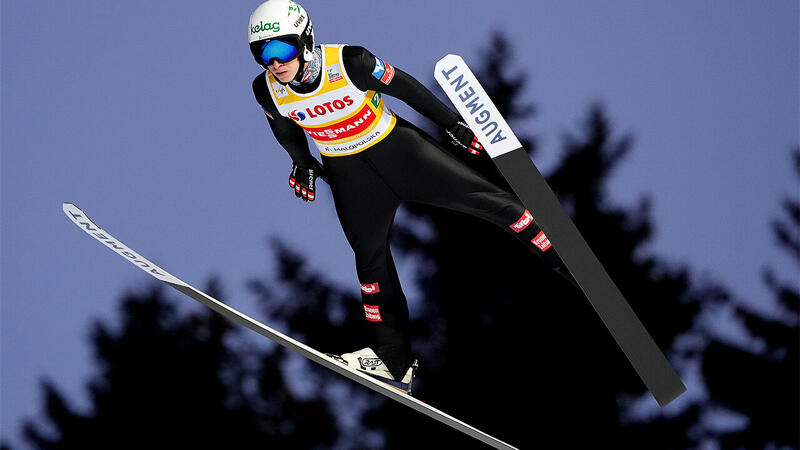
x,y
83,222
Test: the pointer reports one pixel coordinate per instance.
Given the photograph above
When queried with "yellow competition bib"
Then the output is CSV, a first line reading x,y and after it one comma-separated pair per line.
x,y
340,118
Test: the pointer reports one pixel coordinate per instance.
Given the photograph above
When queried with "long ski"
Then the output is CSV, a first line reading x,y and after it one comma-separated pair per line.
x,y
475,106
83,222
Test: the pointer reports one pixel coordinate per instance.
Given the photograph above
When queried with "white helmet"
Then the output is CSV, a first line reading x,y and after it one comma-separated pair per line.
x,y
283,19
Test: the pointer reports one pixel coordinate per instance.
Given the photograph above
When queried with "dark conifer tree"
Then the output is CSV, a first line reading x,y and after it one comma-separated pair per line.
x,y
169,379
763,385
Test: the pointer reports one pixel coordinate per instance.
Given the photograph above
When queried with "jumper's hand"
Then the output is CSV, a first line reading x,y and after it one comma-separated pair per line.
x,y
303,181
463,137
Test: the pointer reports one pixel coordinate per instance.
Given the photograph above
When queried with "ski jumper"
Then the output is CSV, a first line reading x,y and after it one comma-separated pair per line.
x,y
374,161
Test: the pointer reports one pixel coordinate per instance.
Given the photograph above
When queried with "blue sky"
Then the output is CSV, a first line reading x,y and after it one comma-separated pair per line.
x,y
141,113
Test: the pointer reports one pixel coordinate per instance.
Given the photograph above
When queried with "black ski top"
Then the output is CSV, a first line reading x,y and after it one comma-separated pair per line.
x,y
359,64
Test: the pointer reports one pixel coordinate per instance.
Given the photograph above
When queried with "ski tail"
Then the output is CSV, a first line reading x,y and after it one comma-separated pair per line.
x,y
478,110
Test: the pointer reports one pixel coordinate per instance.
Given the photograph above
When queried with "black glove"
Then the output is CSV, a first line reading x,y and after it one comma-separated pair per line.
x,y
303,180
463,137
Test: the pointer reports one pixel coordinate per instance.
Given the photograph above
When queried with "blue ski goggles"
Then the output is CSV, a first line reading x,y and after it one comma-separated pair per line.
x,y
281,49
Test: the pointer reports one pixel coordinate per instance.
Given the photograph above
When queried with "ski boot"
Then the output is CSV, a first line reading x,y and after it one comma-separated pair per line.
x,y
366,361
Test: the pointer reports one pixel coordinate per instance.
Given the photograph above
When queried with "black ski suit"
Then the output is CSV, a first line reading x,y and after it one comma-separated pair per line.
x,y
407,166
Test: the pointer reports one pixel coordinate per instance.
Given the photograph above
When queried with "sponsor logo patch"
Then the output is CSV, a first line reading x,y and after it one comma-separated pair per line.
x,y
322,109
387,77
370,363
274,26
380,68
523,222
334,73
280,90
383,71
373,313
541,241
357,124
353,146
